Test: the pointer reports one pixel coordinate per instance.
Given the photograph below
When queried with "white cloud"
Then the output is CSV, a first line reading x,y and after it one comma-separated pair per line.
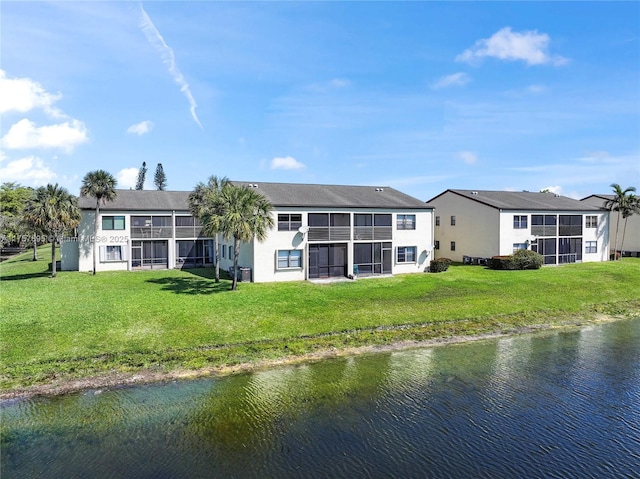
x,y
23,95
141,128
30,169
25,134
286,163
469,157
326,87
529,46
127,178
456,79
168,58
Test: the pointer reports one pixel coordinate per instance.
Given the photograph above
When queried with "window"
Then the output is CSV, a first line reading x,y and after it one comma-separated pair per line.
x,y
289,222
406,254
591,246
406,222
437,221
519,222
453,221
453,246
436,245
570,225
517,246
111,253
113,222
184,220
289,259
544,225
591,222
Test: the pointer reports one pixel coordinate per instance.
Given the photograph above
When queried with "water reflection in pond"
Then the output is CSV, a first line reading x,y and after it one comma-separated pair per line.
x,y
560,404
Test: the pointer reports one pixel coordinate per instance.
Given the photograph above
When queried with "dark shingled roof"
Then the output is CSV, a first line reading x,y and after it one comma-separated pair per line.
x,y
522,200
278,194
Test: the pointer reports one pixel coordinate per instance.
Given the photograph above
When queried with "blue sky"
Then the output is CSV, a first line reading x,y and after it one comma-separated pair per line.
x,y
420,96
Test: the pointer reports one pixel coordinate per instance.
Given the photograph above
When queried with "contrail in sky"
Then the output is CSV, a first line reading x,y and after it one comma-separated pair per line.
x,y
154,37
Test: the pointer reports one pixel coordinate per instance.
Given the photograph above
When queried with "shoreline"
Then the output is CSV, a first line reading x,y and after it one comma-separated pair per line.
x,y
149,376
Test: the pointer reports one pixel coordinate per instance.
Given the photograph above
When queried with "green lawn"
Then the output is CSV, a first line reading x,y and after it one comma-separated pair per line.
x,y
79,324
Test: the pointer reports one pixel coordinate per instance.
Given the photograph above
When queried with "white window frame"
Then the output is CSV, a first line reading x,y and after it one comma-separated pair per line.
x,y
591,221
291,256
108,253
406,222
406,254
590,247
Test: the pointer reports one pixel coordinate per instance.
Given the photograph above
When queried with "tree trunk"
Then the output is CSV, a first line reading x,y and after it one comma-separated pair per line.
x,y
624,232
95,234
615,246
236,252
53,257
216,256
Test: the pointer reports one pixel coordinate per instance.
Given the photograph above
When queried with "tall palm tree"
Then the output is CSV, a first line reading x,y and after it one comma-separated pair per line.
x,y
100,185
204,204
617,203
245,214
631,207
54,210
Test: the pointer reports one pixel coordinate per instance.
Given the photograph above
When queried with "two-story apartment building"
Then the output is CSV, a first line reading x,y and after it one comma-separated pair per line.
x,y
321,231
631,245
480,224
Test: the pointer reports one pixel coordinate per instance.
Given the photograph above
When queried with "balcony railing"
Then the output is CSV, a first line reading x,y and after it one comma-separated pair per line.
x,y
151,232
372,233
189,232
329,233
544,230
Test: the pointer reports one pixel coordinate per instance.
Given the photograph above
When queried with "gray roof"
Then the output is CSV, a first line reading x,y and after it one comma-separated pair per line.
x,y
522,200
152,200
278,194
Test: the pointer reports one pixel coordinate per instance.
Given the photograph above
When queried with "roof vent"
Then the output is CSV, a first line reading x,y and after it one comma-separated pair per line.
x,y
474,193
379,189
252,185
557,195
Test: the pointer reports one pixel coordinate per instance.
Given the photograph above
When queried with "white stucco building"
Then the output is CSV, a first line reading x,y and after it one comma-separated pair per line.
x,y
474,225
321,231
631,245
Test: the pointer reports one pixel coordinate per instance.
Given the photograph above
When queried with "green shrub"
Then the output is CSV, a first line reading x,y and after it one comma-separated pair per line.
x,y
502,262
527,259
439,265
521,259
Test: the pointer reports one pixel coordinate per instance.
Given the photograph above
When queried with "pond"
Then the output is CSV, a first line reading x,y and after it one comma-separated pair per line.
x,y
562,404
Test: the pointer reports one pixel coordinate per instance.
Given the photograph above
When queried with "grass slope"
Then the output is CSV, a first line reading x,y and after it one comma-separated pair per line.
x,y
79,325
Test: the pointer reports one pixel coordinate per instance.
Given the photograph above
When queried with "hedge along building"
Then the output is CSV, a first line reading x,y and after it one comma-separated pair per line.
x,y
474,225
321,231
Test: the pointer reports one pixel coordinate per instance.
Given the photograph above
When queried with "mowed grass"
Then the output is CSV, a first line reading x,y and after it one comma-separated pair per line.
x,y
79,324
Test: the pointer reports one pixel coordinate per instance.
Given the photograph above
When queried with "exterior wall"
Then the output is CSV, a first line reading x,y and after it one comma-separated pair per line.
x,y
599,234
262,256
631,234
69,255
510,235
86,243
477,229
483,231
79,255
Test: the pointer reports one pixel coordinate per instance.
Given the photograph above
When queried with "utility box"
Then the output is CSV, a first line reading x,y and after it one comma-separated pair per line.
x,y
245,275
242,274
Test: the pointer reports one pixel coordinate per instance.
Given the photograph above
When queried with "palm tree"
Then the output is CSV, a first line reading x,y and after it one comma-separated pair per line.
x,y
617,203
631,207
204,205
245,214
54,210
100,185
